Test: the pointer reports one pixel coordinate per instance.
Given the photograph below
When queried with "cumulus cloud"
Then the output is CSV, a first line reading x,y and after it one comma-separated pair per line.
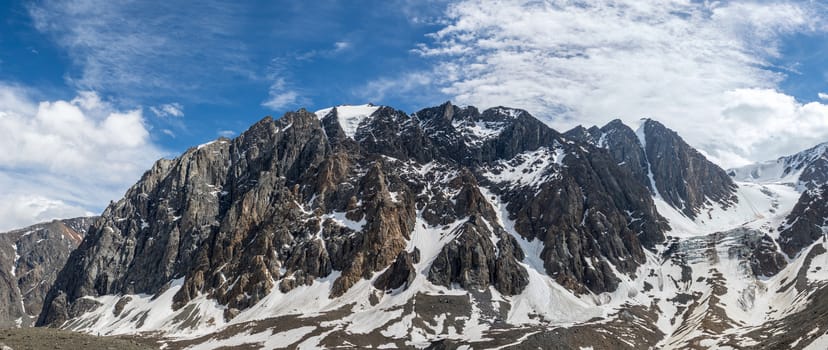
x,y
700,67
66,158
17,211
823,96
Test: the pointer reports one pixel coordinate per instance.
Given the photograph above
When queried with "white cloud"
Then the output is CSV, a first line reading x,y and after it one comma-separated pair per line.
x,y
18,211
174,109
338,48
823,96
700,67
67,158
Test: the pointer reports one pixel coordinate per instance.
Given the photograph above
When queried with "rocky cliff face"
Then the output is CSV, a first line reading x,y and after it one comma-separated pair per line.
x,y
622,143
683,176
338,194
30,259
806,223
659,159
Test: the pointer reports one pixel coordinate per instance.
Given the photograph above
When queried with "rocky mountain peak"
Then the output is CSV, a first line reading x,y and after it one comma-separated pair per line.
x,y
684,178
368,200
349,118
660,160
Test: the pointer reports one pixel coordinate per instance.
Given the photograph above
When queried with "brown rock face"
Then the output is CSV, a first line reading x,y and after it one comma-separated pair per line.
x,y
30,260
623,145
587,218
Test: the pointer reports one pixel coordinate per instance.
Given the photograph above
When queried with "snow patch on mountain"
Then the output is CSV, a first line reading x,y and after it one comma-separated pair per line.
x,y
479,131
142,312
642,140
266,339
349,117
757,205
341,219
529,168
509,112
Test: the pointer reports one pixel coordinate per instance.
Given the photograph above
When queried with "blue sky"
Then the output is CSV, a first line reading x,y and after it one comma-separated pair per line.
x,y
92,92
216,62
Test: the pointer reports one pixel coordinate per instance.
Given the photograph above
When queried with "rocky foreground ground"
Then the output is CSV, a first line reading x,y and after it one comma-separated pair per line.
x,y
53,339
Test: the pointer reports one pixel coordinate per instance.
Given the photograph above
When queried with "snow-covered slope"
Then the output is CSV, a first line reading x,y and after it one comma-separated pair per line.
x,y
757,205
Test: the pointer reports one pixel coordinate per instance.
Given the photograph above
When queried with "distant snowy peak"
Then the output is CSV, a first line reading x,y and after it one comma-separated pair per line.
x,y
350,117
805,170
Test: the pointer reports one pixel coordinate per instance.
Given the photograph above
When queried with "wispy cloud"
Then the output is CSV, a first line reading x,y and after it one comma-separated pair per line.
x,y
340,46
411,85
690,64
337,48
136,49
168,110
279,96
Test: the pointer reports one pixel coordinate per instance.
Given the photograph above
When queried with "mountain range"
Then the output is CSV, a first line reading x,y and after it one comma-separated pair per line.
x,y
368,227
